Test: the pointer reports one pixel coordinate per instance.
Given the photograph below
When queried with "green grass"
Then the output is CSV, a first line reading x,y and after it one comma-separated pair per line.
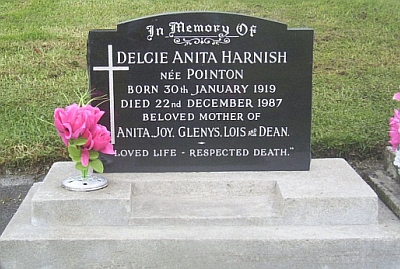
x,y
43,62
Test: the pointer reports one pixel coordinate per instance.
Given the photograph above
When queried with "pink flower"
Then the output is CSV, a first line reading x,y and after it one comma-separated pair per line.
x,y
94,115
395,130
85,157
102,140
73,121
76,122
396,96
86,148
70,122
98,139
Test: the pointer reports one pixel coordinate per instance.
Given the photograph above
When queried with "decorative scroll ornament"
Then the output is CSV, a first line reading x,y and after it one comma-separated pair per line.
x,y
221,38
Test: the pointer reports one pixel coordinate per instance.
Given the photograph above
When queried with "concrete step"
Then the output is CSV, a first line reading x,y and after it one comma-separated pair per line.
x,y
327,217
24,245
205,210
331,193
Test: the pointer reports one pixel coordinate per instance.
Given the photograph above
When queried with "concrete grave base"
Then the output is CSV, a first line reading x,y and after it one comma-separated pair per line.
x,y
327,217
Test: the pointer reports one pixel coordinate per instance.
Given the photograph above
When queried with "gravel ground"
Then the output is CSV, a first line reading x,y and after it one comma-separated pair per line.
x,y
13,190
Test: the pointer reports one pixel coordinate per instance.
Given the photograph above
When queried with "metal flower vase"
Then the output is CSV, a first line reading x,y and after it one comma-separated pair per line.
x,y
85,182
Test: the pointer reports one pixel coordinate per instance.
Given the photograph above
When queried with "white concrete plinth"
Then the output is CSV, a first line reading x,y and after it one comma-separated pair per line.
x,y
323,218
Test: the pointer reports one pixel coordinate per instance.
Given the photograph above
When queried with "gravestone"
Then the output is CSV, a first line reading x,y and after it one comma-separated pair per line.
x,y
204,92
170,111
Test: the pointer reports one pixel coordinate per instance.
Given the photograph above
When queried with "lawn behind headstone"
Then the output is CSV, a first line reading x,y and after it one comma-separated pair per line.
x,y
43,66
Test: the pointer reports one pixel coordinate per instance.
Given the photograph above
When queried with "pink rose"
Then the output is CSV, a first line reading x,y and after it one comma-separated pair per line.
x,y
396,96
85,157
86,148
94,115
75,122
70,122
394,130
98,139
102,140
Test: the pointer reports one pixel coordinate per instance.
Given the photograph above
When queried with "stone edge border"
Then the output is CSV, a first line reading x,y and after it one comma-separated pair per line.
x,y
386,183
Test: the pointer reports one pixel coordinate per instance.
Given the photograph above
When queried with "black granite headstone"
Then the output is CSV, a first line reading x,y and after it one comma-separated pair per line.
x,y
204,91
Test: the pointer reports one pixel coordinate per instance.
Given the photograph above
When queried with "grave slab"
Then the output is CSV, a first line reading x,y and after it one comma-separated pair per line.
x,y
330,193
245,220
53,205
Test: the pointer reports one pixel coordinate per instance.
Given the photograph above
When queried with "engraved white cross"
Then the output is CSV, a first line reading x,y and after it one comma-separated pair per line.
x,y
110,68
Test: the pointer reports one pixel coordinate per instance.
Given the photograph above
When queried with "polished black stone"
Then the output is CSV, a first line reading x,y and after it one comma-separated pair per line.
x,y
204,91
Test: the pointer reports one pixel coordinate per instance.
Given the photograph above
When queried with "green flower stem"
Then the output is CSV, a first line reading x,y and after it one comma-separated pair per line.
x,y
85,172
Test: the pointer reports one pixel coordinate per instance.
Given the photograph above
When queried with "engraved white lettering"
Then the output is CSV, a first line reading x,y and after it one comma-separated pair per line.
x,y
204,57
220,89
229,74
142,58
247,57
218,152
215,103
